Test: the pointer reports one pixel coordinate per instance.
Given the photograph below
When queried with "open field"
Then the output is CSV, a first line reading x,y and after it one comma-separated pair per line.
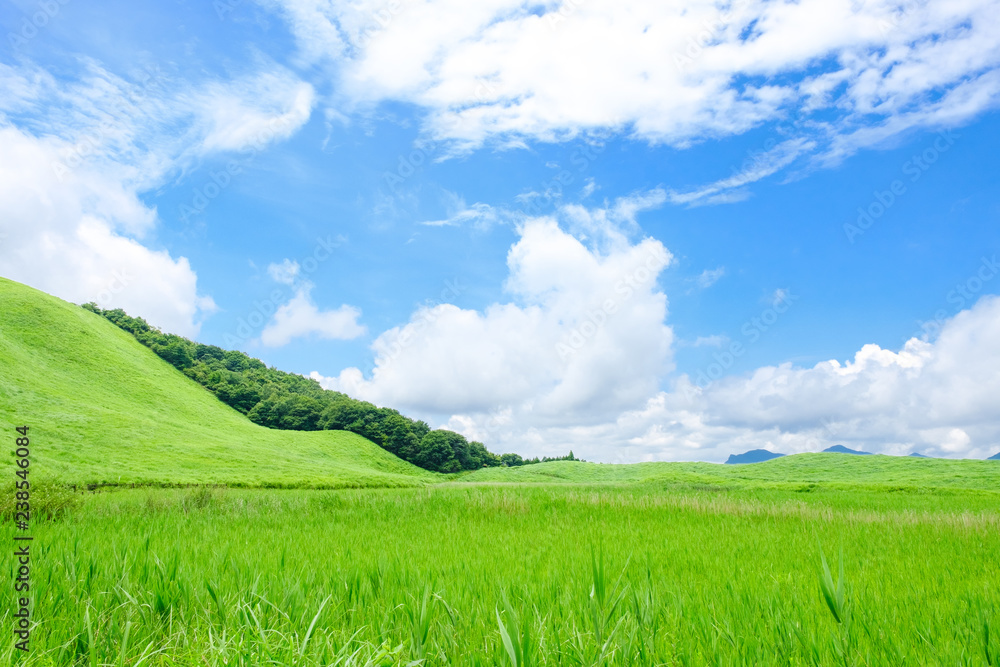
x,y
892,473
683,575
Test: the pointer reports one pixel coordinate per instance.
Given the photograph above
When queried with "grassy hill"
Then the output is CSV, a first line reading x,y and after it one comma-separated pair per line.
x,y
873,472
102,408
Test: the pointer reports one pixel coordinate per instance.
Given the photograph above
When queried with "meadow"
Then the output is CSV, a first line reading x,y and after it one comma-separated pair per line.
x,y
649,573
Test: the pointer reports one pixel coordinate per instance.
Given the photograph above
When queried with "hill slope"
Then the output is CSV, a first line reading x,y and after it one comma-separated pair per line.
x,y
102,408
876,472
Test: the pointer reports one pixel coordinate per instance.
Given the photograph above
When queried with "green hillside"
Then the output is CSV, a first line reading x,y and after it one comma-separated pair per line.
x,y
102,408
795,472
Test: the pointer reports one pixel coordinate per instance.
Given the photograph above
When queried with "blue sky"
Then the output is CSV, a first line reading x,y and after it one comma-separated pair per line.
x,y
437,207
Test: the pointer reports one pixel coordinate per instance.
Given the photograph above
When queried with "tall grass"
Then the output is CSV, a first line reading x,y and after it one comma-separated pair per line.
x,y
511,576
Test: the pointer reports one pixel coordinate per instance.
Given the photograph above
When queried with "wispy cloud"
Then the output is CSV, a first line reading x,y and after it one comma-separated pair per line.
x,y
733,188
841,75
478,215
709,277
710,341
81,150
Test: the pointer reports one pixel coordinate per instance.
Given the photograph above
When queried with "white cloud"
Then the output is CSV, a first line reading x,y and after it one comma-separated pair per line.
x,y
73,239
284,273
937,397
610,226
842,75
582,338
300,318
710,341
709,277
479,215
78,154
780,295
758,166
253,111
576,358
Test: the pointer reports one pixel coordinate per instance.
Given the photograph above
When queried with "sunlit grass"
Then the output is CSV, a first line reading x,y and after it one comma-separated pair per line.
x,y
613,575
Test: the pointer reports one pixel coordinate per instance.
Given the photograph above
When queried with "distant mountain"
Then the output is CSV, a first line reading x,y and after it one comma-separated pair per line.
x,y
840,449
918,455
753,456
995,457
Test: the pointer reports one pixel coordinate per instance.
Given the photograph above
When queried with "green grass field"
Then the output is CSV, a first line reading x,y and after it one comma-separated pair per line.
x,y
418,576
367,560
894,473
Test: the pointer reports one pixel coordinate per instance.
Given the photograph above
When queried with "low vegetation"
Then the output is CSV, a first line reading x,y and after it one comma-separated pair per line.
x,y
621,574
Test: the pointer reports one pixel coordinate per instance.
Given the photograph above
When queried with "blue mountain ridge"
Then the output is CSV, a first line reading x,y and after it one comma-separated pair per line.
x,y
753,456
761,455
840,449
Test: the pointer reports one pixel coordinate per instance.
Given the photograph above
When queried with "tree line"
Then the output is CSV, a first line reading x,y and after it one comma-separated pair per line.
x,y
289,401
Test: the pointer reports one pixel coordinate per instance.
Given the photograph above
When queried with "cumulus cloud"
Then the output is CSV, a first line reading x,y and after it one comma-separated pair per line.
x,y
576,357
300,318
840,74
937,397
74,239
582,338
78,153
